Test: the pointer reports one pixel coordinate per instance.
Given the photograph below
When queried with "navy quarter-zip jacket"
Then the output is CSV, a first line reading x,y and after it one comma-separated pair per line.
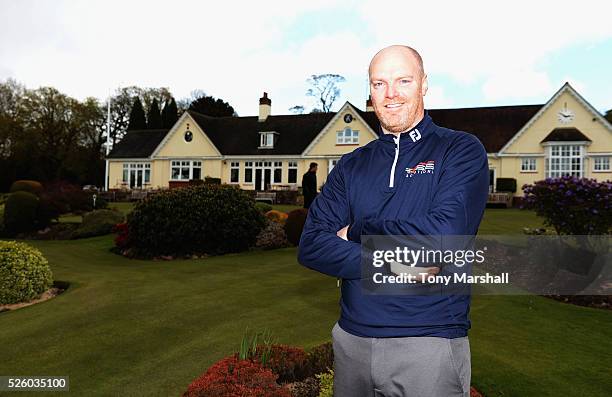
x,y
428,181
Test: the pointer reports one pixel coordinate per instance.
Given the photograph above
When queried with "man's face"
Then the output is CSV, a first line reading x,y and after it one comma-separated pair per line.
x,y
397,87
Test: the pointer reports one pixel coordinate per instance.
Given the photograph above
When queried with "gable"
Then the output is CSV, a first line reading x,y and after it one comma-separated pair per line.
x,y
540,128
175,144
325,143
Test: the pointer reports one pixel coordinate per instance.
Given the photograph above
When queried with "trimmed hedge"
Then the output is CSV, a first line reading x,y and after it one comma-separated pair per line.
x,y
505,185
98,223
24,272
295,224
24,185
205,219
20,212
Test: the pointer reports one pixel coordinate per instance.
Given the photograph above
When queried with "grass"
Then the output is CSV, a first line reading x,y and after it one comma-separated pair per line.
x,y
129,327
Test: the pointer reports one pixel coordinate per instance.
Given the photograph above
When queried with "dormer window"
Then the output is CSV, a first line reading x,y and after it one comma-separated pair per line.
x,y
266,140
347,137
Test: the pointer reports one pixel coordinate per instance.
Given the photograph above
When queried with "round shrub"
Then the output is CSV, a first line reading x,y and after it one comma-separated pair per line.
x,y
320,359
205,219
33,187
24,272
98,223
295,224
20,212
272,237
277,216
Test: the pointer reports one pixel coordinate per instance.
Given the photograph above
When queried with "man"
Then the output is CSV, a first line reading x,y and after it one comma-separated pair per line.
x,y
309,184
398,345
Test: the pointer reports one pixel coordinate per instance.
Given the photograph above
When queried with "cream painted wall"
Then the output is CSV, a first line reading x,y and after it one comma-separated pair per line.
x,y
529,141
115,174
327,143
176,146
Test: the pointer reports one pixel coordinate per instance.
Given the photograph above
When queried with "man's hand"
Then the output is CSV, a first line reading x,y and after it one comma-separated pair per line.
x,y
342,233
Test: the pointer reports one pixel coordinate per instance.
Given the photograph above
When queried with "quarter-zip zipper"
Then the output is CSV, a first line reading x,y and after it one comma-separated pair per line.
x,y
392,176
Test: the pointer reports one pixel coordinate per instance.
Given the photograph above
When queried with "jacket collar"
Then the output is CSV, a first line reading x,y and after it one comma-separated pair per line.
x,y
414,135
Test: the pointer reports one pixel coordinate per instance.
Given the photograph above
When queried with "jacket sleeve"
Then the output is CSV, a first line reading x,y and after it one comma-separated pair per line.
x,y
458,202
320,248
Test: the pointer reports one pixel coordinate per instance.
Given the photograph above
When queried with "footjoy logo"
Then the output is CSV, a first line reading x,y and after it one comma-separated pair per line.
x,y
415,135
425,167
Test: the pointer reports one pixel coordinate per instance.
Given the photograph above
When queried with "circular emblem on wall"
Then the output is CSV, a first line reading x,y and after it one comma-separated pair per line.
x,y
188,136
348,118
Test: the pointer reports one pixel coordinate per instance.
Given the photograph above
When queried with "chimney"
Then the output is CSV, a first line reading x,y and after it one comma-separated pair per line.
x,y
265,107
369,107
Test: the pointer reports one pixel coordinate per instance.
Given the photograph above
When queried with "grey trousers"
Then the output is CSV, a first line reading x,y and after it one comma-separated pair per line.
x,y
400,367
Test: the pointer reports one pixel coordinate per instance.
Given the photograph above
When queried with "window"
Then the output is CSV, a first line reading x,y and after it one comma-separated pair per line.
x,y
347,136
331,164
528,164
234,172
136,174
184,170
248,172
564,160
266,139
601,164
292,175
278,172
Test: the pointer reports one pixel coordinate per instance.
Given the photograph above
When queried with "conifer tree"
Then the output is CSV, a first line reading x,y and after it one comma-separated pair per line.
x,y
137,116
154,120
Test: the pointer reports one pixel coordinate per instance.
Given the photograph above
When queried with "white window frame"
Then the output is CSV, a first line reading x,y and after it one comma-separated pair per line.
x,y
602,161
277,165
144,168
572,152
185,164
266,140
347,137
249,165
331,163
292,165
529,164
234,165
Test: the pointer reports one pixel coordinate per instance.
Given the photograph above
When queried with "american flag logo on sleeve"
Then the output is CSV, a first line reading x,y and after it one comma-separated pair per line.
x,y
424,167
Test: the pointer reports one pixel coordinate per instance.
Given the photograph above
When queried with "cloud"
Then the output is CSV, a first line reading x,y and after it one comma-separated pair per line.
x,y
236,50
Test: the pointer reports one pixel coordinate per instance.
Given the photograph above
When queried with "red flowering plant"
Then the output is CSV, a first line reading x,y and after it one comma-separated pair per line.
x,y
122,239
232,377
572,206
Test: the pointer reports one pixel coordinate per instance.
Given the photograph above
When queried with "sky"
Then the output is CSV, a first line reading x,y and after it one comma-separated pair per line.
x,y
476,53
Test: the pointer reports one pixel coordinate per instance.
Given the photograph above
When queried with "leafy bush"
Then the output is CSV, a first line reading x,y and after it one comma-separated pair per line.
x,y
288,362
572,205
326,381
206,219
232,377
320,359
20,212
24,272
209,180
98,223
33,187
67,198
263,207
122,239
295,224
309,387
272,237
505,185
277,216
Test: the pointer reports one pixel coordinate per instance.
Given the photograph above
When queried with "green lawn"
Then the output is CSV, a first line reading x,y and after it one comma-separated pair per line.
x,y
128,327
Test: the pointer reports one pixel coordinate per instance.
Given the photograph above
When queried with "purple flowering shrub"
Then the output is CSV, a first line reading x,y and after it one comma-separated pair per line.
x,y
571,205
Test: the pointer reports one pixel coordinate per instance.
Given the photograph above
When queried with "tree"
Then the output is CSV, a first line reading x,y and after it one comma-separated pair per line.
x,y
608,116
137,116
297,109
169,114
324,88
154,121
210,106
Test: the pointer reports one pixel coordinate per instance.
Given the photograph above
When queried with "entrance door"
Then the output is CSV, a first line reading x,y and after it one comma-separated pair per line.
x,y
258,184
491,180
267,178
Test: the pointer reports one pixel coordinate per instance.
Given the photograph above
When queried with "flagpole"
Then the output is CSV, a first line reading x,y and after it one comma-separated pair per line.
x,y
108,137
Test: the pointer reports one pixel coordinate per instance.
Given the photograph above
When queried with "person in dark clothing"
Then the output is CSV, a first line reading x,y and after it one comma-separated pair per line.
x,y
309,185
416,179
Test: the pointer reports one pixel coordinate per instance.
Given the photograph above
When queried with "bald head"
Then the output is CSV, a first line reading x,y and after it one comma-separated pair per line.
x,y
398,51
398,84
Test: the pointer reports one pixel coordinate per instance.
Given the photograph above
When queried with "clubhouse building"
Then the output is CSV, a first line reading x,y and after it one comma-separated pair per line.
x,y
565,136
